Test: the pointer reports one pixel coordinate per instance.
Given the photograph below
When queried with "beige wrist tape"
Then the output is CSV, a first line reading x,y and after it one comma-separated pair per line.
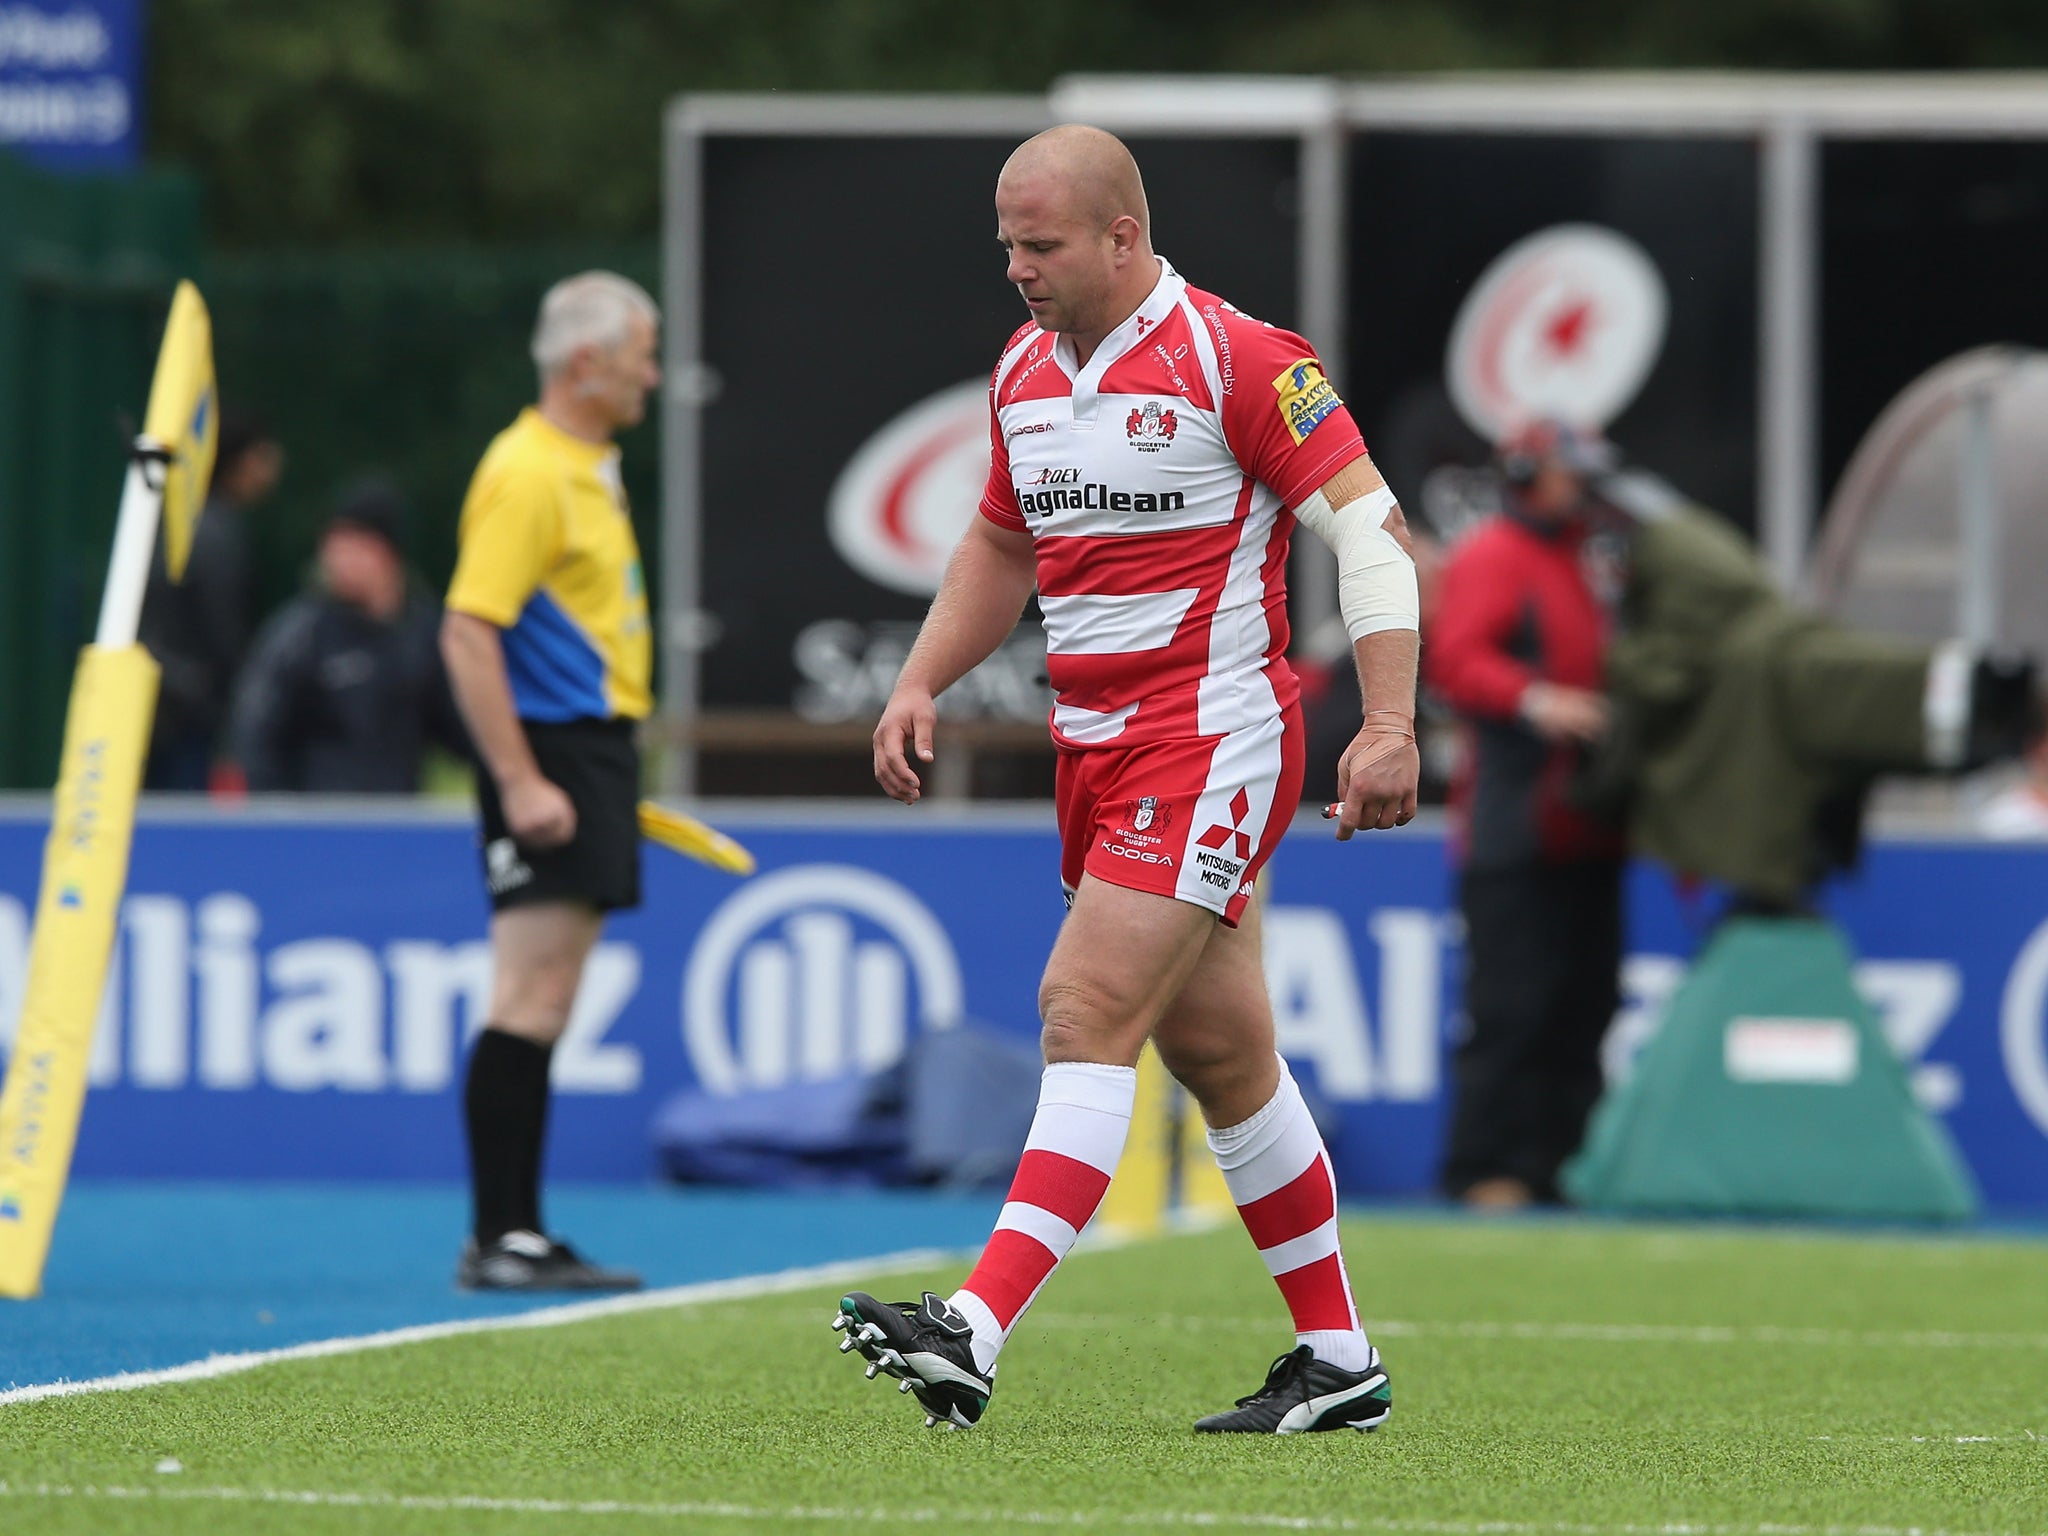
x,y
1375,577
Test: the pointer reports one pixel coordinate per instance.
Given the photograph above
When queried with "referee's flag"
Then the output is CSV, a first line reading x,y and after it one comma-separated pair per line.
x,y
184,420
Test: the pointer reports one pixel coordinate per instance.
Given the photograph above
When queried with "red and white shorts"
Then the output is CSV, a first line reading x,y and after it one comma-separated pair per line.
x,y
1194,819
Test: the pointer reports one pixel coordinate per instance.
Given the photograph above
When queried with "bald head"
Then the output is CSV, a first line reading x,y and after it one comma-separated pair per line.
x,y
1087,173
1070,210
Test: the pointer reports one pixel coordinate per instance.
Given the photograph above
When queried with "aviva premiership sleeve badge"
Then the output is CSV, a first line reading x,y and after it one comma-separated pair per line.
x,y
1306,397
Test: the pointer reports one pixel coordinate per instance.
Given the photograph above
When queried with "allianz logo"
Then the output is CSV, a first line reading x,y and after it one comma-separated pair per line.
x,y
819,969
800,974
811,972
193,1000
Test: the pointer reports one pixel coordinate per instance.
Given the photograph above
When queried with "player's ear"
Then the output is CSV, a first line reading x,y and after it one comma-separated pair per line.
x,y
1123,237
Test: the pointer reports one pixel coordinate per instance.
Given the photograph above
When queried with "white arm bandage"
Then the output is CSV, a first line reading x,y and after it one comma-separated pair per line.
x,y
1375,577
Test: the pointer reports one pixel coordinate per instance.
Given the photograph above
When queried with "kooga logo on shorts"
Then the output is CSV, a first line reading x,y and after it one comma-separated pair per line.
x,y
1095,497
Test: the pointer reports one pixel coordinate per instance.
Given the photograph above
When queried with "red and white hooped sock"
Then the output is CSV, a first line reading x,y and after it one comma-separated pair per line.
x,y
1279,1176
1084,1113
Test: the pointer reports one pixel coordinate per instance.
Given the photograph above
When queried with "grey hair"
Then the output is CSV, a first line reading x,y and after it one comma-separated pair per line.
x,y
591,309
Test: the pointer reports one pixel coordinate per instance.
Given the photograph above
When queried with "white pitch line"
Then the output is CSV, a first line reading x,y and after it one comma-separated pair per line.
x,y
1594,1333
2025,1436
542,1317
1080,1518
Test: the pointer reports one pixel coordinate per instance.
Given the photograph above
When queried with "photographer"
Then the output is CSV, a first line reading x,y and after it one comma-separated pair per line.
x,y
1516,647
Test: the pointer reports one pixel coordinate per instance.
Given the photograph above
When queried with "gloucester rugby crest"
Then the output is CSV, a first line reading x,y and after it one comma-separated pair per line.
x,y
1151,428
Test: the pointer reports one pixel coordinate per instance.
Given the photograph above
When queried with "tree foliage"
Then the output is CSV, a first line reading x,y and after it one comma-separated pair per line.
x,y
539,119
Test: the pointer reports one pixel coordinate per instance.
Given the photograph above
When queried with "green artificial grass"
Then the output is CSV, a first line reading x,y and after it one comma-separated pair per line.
x,y
1549,1377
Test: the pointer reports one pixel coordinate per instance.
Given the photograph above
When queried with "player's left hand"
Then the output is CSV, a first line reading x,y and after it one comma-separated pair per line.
x,y
1377,776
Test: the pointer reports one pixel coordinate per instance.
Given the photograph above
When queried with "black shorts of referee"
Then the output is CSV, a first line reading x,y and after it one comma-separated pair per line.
x,y
596,763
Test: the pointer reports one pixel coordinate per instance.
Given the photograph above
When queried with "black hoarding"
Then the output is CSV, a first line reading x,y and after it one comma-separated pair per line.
x,y
1431,214
848,280
1927,250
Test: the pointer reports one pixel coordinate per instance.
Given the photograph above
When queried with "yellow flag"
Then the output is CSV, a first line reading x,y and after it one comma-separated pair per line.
x,y
184,420
85,871
691,838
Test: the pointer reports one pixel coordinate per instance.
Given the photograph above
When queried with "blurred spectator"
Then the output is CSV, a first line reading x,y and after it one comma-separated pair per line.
x,y
345,690
2019,812
1516,648
198,629
1746,732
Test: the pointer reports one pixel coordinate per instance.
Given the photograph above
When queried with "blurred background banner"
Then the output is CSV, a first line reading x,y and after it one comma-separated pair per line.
x,y
291,992
834,293
71,82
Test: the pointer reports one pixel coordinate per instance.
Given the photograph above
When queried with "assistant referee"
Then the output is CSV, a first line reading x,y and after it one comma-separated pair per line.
x,y
547,644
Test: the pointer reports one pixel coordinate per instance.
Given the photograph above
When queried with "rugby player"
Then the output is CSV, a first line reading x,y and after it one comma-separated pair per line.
x,y
1152,448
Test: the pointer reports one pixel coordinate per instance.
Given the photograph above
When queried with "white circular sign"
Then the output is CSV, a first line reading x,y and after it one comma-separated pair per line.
x,y
2023,1027
904,498
1565,324
811,972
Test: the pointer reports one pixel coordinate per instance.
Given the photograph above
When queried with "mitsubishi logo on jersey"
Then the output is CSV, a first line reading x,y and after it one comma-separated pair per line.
x,y
1219,834
1151,428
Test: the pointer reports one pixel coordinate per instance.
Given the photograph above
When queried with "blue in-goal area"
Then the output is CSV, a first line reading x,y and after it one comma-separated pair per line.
x,y
147,1276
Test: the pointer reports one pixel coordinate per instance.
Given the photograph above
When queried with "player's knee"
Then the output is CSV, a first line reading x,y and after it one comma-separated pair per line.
x,y
540,993
1083,1021
1192,1060
1211,1064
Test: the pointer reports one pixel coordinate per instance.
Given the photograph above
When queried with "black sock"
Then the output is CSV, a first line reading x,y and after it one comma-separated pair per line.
x,y
505,1103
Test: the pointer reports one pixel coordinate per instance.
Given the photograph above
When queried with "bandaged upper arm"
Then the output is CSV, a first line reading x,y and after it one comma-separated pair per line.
x,y
1375,578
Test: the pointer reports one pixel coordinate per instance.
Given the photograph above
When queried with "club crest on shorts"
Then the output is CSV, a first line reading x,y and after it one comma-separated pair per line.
x,y
1150,428
1146,812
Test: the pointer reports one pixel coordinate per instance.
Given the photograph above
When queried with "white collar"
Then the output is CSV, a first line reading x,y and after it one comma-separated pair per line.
x,y
1159,303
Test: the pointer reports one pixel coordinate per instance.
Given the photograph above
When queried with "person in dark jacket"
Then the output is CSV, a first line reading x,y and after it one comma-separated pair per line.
x,y
1516,649
198,628
345,690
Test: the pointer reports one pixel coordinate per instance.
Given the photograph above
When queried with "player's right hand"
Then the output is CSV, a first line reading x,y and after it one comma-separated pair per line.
x,y
905,728
537,813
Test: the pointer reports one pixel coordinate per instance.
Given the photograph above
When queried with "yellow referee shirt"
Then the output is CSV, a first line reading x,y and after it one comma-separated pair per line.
x,y
546,552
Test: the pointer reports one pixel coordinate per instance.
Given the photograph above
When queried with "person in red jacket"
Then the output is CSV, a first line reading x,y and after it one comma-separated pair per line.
x,y
1515,648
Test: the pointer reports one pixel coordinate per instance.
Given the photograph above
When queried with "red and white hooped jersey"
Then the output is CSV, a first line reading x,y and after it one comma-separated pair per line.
x,y
1155,483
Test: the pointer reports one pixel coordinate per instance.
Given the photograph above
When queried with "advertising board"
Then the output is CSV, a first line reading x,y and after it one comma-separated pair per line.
x,y
291,996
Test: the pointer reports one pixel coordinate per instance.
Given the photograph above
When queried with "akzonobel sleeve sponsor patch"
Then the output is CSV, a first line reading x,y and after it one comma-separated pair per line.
x,y
1306,397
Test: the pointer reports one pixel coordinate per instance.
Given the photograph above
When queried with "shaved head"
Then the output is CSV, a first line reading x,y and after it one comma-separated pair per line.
x,y
1070,210
1088,171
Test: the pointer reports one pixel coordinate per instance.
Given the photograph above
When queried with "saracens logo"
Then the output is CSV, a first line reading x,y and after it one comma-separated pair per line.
x,y
908,493
1566,323
1150,428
